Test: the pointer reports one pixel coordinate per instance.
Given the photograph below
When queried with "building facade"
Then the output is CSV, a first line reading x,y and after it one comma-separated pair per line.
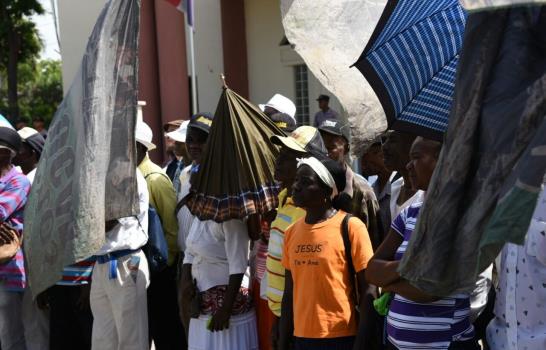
x,y
244,39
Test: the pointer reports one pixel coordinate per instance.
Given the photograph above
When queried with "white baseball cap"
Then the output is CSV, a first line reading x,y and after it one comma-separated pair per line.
x,y
179,135
281,104
144,135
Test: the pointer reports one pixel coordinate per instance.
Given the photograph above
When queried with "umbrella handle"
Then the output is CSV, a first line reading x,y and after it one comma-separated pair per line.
x,y
223,78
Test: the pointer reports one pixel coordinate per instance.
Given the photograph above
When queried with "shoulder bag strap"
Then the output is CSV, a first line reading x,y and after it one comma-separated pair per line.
x,y
348,255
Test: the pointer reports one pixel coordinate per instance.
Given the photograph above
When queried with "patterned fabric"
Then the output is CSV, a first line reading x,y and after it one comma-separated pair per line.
x,y
78,273
223,208
260,250
287,214
213,299
434,325
411,62
520,320
14,189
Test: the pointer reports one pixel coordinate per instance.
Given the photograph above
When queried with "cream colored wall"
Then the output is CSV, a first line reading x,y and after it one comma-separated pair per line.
x,y
270,66
264,32
76,21
208,53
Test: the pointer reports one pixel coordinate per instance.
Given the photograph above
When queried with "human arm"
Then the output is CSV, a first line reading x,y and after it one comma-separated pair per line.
x,y
186,294
404,288
220,320
286,321
10,242
365,305
382,270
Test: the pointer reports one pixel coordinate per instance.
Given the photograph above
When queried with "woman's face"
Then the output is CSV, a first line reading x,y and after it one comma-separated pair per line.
x,y
307,190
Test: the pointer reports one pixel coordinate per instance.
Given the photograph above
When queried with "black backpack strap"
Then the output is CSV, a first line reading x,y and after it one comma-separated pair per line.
x,y
348,255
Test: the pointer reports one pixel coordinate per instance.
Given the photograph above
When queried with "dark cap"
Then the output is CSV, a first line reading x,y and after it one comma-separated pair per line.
x,y
201,121
10,138
33,138
336,127
284,121
323,98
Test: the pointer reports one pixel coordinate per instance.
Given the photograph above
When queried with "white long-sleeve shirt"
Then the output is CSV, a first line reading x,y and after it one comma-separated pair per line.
x,y
131,232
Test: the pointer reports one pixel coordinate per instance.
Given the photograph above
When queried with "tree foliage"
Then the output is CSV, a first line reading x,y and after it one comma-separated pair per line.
x,y
40,90
19,43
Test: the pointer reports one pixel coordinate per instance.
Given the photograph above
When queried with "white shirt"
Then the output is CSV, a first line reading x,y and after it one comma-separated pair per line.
x,y
216,250
395,189
31,175
184,216
131,232
520,307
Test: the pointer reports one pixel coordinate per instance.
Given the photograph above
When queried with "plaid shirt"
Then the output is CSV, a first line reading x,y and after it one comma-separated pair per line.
x,y
14,190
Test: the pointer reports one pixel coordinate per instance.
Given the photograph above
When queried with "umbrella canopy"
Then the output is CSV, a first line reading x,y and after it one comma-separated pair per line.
x,y
492,165
235,178
411,60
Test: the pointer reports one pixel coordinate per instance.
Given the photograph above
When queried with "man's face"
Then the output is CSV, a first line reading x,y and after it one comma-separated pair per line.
x,y
323,104
336,145
5,155
141,152
286,165
396,150
195,143
423,158
38,125
372,162
169,143
180,149
24,156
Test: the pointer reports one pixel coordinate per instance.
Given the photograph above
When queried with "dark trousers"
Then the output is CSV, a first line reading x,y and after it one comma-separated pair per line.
x,y
71,321
480,325
163,318
344,343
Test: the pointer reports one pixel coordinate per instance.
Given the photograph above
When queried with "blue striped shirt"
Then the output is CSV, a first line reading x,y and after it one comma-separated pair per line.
x,y
434,325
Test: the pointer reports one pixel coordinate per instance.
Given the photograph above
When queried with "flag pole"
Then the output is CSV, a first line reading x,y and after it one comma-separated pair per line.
x,y
193,77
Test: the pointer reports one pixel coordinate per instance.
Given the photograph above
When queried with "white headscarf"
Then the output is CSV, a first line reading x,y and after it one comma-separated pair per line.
x,y
321,171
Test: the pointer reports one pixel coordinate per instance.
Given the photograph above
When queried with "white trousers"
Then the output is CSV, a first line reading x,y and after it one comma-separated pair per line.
x,y
119,304
22,325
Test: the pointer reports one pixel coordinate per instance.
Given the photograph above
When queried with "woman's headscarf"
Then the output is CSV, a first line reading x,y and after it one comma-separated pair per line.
x,y
330,172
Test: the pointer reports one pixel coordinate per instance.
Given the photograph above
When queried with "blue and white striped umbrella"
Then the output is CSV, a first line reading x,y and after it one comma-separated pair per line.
x,y
411,61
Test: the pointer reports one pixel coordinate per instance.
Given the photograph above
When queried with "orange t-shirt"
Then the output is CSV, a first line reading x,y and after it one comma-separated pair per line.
x,y
315,255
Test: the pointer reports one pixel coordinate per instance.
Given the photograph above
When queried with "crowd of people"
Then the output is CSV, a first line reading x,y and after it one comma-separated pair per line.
x,y
321,274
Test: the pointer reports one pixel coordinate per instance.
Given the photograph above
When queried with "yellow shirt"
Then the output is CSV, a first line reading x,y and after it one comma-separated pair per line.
x,y
315,255
287,214
163,199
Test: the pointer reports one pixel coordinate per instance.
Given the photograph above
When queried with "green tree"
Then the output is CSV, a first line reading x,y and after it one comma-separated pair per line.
x,y
19,42
40,90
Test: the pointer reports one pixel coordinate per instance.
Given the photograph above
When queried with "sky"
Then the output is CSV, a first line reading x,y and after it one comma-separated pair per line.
x,y
46,27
